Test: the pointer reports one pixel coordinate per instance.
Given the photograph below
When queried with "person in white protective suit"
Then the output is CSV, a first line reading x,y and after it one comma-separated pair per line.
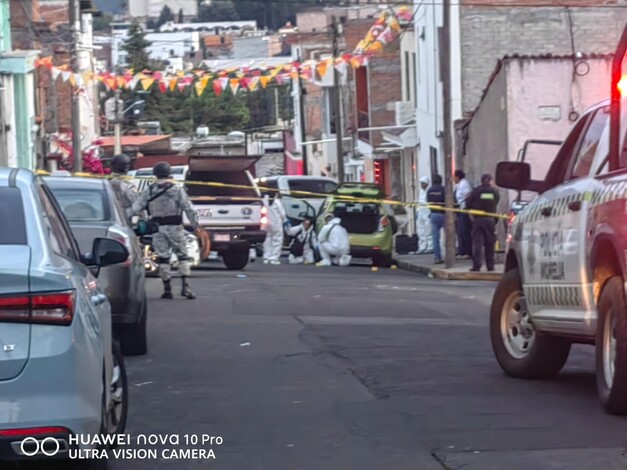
x,y
333,242
423,224
274,231
304,243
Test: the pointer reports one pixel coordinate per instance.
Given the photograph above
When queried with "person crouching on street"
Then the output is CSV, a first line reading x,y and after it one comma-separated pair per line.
x,y
333,241
274,231
304,244
165,203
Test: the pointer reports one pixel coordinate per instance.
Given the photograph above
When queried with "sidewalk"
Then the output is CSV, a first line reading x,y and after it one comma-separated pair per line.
x,y
423,264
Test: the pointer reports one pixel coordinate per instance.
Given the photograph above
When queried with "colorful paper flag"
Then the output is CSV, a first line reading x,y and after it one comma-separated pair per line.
x,y
265,80
217,87
147,83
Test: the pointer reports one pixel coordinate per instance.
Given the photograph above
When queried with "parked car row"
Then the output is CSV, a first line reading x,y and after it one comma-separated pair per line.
x,y
72,302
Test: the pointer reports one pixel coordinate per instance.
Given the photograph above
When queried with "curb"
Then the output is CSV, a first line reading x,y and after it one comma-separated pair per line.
x,y
445,274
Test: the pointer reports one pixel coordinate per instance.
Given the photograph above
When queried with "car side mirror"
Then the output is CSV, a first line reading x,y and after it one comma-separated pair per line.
x,y
513,175
517,176
107,252
145,227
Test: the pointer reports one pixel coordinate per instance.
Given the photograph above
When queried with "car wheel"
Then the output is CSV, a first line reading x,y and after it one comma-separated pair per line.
x,y
520,350
117,410
236,260
134,337
611,348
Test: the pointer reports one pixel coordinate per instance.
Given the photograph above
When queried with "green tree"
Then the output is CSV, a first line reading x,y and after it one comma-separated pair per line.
x,y
136,46
224,113
165,16
218,11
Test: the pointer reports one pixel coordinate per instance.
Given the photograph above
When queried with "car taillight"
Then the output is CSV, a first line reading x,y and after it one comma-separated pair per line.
x,y
383,222
33,431
50,308
119,235
264,216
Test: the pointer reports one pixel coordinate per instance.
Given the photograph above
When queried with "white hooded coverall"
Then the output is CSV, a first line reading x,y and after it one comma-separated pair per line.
x,y
308,237
423,224
274,231
333,241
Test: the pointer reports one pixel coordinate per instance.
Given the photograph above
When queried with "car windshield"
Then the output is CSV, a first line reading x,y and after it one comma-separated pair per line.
x,y
237,184
12,218
321,187
82,205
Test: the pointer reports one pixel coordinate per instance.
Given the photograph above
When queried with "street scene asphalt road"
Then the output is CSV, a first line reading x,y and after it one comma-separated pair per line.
x,y
298,367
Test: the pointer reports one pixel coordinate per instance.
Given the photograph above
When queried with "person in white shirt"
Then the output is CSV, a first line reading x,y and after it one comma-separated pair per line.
x,y
423,222
274,231
304,243
333,241
463,189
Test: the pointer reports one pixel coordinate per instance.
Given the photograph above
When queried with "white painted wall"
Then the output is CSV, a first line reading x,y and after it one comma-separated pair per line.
x,y
547,82
408,79
429,117
153,8
8,112
175,44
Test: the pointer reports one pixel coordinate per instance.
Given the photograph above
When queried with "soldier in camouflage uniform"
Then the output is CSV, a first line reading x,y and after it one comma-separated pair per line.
x,y
166,203
124,189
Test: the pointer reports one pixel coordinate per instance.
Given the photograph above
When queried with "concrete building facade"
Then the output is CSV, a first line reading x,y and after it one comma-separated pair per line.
x,y
530,97
18,125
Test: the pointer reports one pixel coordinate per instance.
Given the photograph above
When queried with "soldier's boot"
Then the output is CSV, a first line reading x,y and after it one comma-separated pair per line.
x,y
167,290
186,291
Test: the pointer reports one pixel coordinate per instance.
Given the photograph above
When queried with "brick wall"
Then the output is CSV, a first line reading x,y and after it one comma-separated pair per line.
x,y
384,75
488,34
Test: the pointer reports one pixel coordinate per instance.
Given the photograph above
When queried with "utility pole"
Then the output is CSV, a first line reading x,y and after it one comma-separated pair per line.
x,y
303,127
445,67
75,25
337,100
117,150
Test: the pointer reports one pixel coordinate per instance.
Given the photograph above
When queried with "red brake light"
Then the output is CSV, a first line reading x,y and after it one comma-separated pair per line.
x,y
622,85
383,222
54,308
15,309
32,431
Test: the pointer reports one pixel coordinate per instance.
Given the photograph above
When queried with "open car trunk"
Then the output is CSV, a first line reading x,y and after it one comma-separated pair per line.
x,y
358,218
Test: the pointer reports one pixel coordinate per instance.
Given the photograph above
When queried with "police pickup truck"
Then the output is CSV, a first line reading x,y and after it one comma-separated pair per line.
x,y
566,264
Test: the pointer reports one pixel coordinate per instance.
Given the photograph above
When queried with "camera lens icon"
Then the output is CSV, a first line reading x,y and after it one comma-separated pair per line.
x,y
49,447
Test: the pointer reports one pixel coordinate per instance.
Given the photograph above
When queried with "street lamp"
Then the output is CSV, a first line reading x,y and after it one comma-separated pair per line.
x,y
115,112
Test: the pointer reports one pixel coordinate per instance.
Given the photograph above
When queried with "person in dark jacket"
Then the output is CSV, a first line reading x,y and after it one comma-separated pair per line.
x,y
435,197
483,198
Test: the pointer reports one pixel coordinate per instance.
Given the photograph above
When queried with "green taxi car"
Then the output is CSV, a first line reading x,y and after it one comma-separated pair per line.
x,y
370,224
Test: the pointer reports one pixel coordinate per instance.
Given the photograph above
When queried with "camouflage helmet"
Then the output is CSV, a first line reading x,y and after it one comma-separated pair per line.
x,y
162,170
121,163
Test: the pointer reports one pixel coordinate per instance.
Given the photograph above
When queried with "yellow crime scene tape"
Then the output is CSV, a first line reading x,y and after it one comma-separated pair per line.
x,y
413,205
